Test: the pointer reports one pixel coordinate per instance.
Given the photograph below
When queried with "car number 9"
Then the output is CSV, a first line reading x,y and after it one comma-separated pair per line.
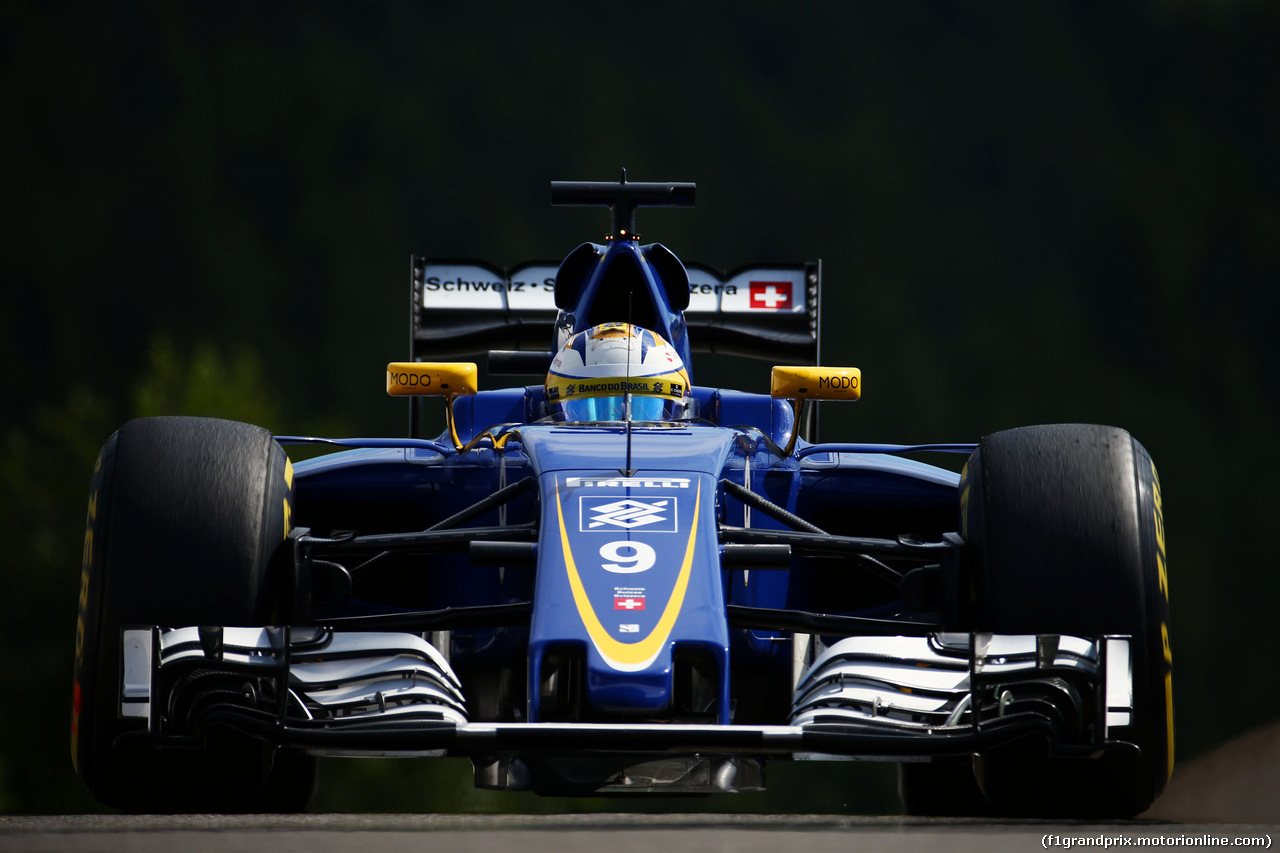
x,y
626,557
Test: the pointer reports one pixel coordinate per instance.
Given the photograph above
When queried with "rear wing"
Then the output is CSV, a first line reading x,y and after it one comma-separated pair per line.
x,y
463,309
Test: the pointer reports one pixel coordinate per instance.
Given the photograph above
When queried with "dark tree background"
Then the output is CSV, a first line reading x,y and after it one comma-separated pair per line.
x,y
1026,212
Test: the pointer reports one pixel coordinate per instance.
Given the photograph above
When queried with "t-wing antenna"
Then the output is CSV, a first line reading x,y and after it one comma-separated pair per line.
x,y
622,199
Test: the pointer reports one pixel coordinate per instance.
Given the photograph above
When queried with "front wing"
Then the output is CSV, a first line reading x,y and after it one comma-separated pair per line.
x,y
392,693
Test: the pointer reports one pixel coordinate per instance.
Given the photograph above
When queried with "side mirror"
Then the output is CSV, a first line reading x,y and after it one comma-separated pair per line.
x,y
446,379
816,383
813,383
431,379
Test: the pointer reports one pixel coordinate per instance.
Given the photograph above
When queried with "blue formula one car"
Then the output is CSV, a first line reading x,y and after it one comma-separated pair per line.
x,y
617,580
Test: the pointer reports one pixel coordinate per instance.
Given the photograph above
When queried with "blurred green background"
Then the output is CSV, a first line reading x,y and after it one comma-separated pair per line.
x,y
1026,212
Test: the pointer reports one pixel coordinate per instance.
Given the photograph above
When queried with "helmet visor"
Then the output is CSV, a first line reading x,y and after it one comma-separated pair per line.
x,y
615,409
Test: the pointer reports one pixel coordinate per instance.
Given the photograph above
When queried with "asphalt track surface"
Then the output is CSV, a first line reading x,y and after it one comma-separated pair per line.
x,y
1229,798
599,833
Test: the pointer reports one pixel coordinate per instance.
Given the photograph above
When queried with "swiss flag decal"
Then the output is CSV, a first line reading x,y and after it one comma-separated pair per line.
x,y
771,295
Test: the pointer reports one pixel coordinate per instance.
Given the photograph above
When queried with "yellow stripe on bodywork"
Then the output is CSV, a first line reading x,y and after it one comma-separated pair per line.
x,y
629,657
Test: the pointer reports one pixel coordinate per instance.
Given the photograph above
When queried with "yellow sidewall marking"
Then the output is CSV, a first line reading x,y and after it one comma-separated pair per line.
x,y
288,484
1162,577
1168,711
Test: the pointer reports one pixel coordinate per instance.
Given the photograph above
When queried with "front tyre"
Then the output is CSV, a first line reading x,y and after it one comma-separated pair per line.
x,y
1064,529
186,519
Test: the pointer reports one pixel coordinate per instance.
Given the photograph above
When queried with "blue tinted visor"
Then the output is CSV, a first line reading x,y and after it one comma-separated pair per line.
x,y
615,409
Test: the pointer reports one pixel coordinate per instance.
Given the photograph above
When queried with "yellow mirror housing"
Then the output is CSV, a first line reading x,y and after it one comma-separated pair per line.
x,y
816,383
430,379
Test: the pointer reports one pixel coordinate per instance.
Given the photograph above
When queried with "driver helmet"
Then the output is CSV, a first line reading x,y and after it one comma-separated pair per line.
x,y
594,372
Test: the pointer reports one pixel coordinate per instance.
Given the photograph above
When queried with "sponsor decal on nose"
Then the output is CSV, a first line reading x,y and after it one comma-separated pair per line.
x,y
603,513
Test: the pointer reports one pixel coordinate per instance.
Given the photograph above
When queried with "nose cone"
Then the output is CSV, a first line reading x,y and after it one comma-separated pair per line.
x,y
628,571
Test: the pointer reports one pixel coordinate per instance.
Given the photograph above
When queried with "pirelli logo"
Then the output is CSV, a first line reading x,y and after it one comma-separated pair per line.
x,y
628,482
